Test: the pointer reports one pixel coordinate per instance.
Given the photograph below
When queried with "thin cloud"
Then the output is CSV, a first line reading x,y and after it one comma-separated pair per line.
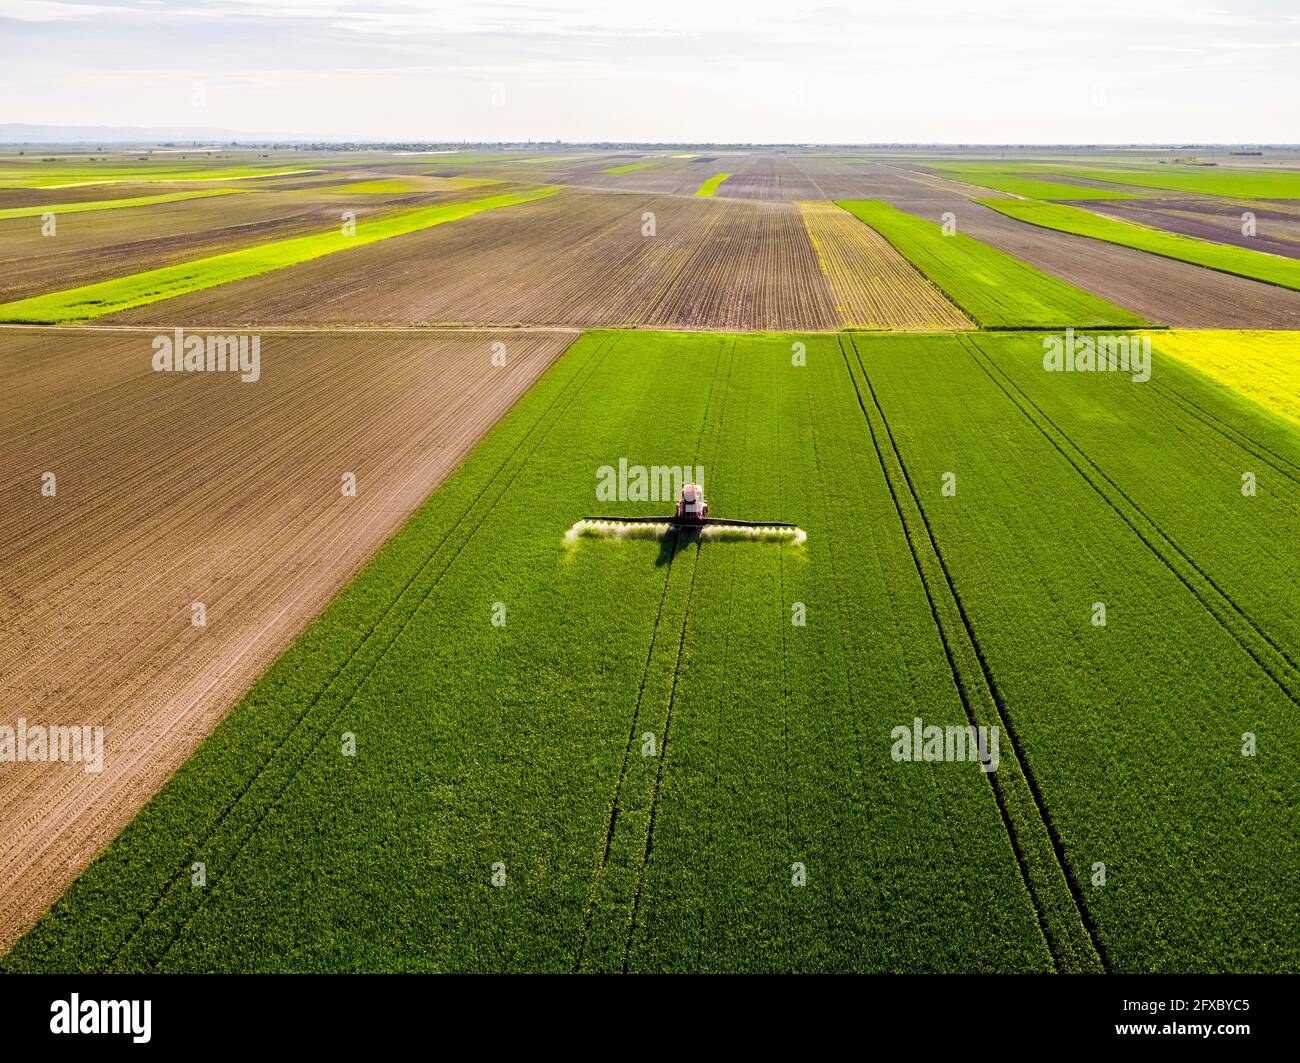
x,y
728,70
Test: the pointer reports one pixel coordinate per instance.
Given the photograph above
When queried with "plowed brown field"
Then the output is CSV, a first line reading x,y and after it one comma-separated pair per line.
x,y
874,286
175,488
666,175
754,175
579,259
765,177
753,268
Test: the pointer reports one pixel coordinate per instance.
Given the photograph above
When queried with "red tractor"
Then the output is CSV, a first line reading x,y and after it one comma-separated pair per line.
x,y
691,507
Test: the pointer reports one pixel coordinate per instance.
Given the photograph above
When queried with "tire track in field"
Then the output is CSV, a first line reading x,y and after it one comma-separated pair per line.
x,y
718,712
952,663
660,768
663,759
785,669
716,774
845,655
1274,660
821,192
1289,469
569,390
603,863
1066,954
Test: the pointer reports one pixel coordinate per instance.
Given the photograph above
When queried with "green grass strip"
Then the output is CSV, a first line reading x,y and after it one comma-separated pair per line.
x,y
401,185
629,167
995,289
1031,187
115,204
49,177
1205,180
139,289
710,187
1128,174
1241,261
392,187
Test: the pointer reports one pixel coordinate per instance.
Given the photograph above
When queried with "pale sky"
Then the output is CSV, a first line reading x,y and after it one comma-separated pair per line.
x,y
1039,71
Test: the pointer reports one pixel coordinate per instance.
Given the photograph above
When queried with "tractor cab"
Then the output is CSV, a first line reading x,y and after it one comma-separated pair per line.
x,y
691,507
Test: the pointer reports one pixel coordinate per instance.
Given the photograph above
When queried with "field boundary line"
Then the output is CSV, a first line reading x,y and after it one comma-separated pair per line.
x,y
342,668
596,358
1257,653
808,211
1061,864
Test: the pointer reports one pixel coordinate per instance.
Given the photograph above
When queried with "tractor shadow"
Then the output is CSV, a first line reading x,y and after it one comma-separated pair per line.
x,y
671,542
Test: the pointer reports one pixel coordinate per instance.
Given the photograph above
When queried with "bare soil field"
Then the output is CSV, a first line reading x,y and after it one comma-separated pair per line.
x,y
895,184
101,244
755,268
578,259
175,488
874,285
808,177
768,177
664,176
754,176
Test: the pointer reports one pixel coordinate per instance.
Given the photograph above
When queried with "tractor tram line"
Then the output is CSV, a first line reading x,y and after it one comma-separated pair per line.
x,y
1053,936
697,537
1273,659
663,758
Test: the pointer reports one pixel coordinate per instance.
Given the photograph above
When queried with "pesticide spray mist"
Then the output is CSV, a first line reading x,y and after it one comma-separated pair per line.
x,y
614,529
